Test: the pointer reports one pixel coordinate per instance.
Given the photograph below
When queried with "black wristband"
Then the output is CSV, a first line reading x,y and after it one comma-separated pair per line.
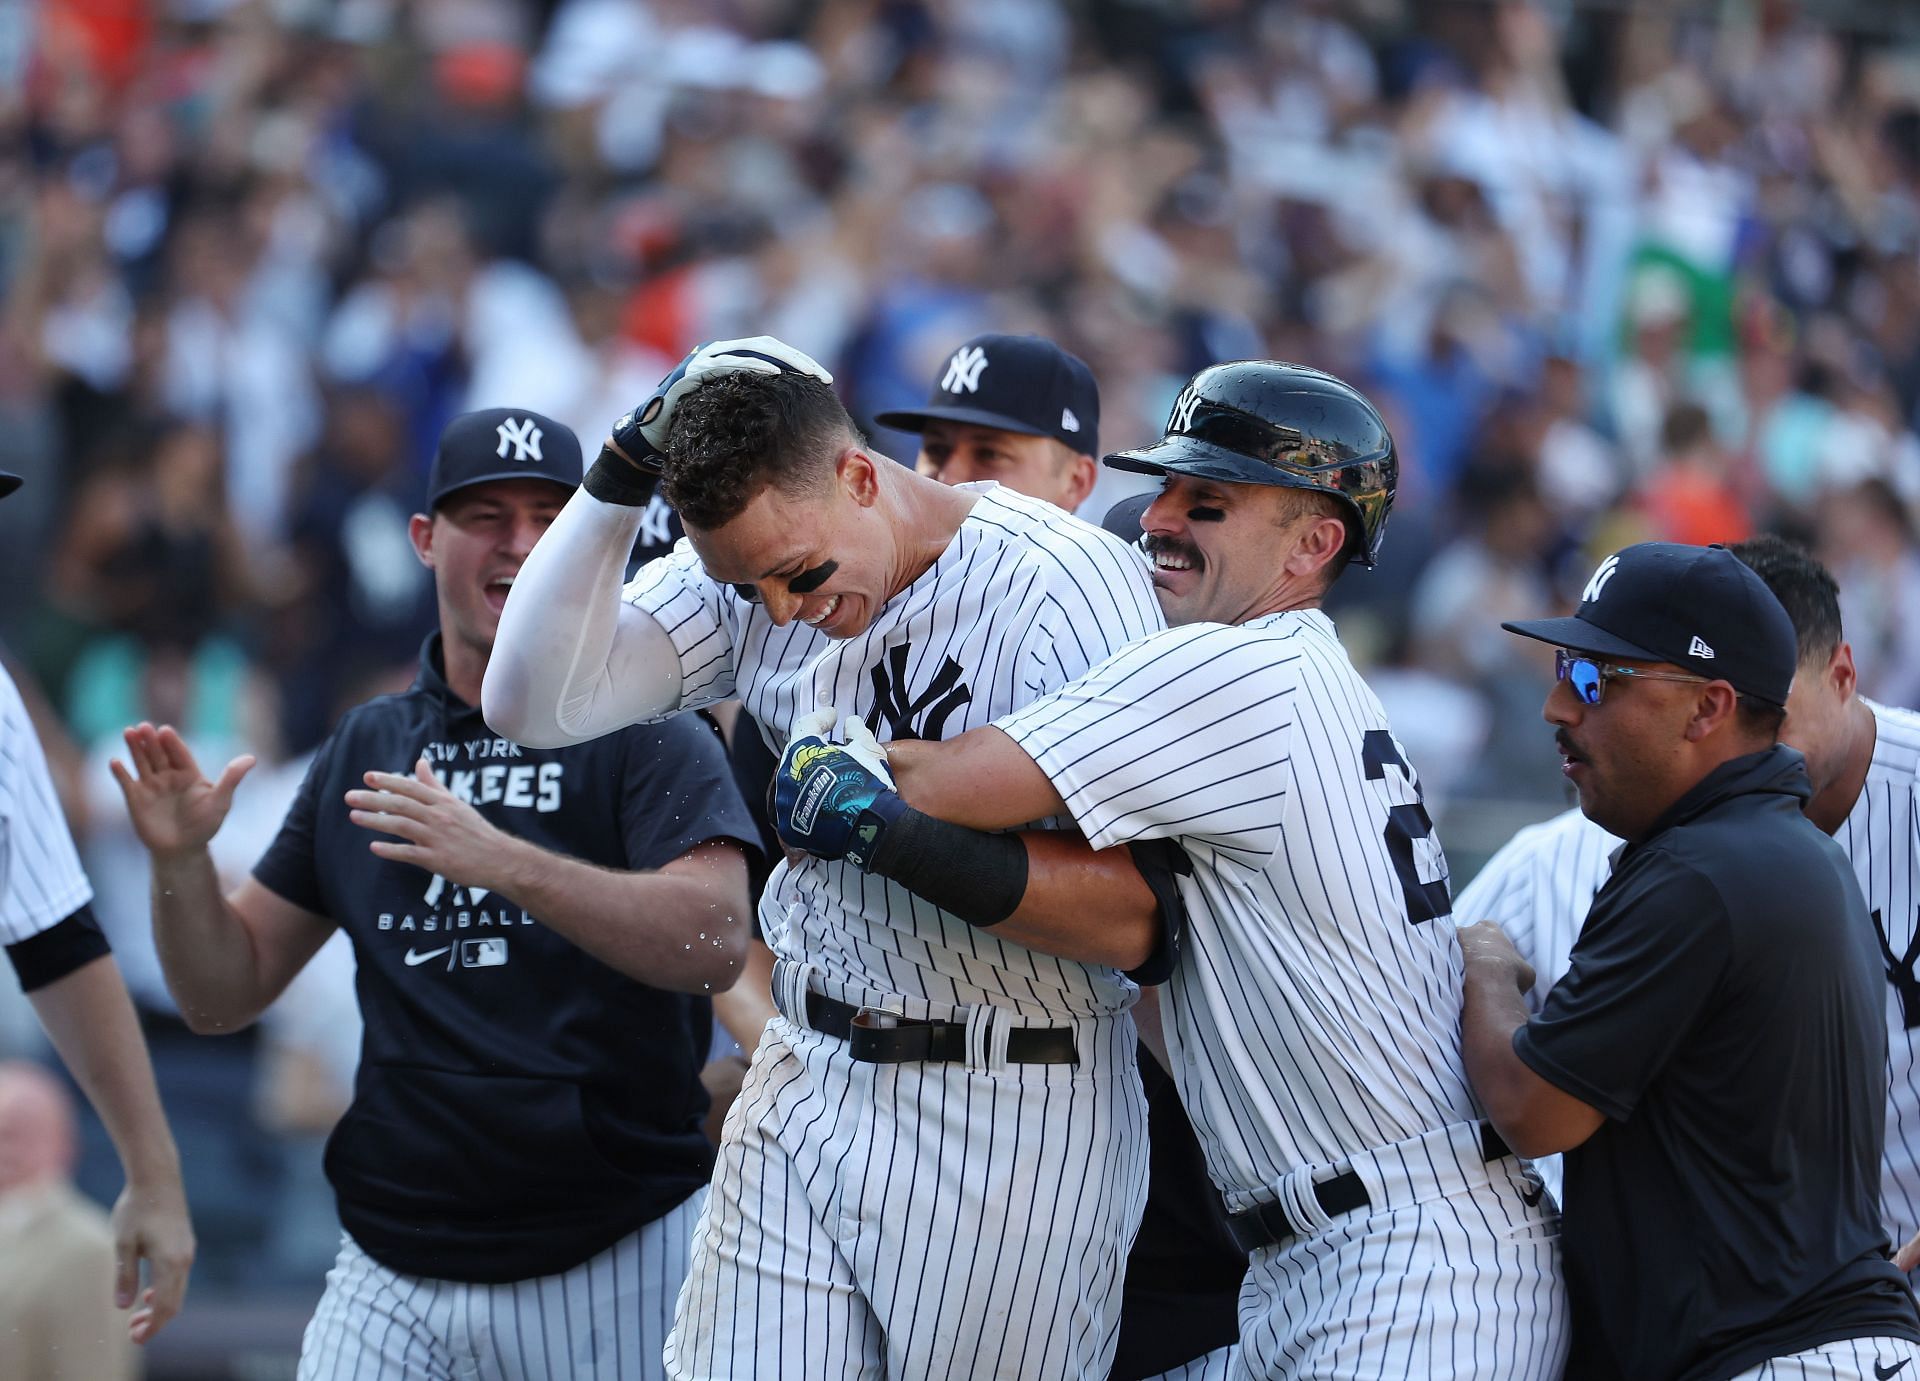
x,y
58,950
612,478
979,877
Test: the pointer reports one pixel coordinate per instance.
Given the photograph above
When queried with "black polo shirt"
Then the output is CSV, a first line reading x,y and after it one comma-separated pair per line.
x,y
1724,1010
520,1106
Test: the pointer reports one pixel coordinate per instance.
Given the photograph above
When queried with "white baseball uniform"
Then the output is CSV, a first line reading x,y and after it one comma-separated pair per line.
x,y
1540,884
1315,1009
41,882
915,1219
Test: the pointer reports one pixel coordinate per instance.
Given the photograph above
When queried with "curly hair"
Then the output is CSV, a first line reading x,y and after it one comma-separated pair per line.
x,y
736,434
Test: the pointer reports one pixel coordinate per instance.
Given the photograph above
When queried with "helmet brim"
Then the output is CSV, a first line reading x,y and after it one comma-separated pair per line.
x,y
1184,455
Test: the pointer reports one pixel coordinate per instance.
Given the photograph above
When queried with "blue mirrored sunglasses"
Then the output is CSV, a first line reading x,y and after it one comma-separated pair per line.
x,y
1589,678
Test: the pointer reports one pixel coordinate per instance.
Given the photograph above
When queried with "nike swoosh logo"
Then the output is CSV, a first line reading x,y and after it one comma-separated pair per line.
x,y
1883,1372
414,958
1532,1199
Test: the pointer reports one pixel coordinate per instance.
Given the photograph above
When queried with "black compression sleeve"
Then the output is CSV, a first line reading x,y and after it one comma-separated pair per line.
x,y
979,877
58,950
612,478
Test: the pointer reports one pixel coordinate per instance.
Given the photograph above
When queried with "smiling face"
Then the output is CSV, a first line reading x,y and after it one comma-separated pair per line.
x,y
1038,466
1227,553
822,556
475,543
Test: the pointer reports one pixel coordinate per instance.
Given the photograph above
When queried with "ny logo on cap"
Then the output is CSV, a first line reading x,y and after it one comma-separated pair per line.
x,y
1183,409
1600,579
523,436
963,370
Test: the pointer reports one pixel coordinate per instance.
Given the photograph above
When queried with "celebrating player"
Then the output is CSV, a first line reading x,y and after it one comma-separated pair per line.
x,y
1313,1029
64,965
523,1161
937,1159
1863,761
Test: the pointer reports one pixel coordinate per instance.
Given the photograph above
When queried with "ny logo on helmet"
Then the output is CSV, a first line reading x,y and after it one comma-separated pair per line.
x,y
523,436
1600,579
963,370
1183,409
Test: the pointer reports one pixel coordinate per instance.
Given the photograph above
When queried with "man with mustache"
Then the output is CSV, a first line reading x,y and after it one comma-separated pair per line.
x,y
1310,1010
1712,1064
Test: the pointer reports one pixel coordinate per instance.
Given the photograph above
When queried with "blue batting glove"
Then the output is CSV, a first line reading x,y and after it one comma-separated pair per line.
x,y
829,803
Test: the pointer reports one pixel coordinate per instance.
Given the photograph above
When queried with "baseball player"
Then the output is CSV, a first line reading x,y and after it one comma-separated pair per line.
x,y
535,931
937,1159
1864,762
1310,1025
64,965
1021,411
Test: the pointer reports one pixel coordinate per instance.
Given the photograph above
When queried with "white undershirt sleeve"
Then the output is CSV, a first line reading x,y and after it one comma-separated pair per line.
x,y
572,660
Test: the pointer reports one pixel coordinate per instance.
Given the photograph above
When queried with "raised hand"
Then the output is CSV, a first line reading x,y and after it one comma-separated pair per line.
x,y
175,809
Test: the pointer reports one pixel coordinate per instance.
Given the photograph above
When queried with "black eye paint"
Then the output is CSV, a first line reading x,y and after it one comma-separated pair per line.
x,y
750,593
808,581
1206,515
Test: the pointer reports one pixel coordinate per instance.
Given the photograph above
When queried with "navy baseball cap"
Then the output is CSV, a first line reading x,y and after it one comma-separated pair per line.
x,y
8,483
1700,608
1124,519
1013,384
502,444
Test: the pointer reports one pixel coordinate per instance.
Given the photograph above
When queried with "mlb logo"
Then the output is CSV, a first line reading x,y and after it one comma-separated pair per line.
x,y
483,954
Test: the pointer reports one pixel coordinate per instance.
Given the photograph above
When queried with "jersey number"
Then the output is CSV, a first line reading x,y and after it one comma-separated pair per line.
x,y
1405,824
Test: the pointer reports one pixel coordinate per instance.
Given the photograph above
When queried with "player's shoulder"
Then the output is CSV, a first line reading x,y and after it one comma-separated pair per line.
x,y
1896,742
1555,839
1041,533
13,709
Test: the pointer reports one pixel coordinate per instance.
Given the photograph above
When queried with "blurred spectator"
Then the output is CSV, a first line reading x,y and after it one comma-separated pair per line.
x,y
1690,496
57,1320
1866,538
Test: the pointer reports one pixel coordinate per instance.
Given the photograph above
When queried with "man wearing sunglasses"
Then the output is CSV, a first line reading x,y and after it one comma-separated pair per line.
x,y
1712,1063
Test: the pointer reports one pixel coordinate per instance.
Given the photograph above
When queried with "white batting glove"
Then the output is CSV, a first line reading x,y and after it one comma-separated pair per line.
x,y
864,748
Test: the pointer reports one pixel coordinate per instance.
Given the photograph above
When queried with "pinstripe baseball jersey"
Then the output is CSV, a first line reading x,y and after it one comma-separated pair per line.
x,y
41,883
1315,1008
1022,600
1540,885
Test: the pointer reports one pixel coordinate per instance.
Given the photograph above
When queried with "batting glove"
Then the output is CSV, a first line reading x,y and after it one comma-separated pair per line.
x,y
829,802
630,461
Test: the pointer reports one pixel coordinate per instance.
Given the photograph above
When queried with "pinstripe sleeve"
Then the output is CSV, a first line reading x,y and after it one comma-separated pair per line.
x,y
694,611
41,883
1185,734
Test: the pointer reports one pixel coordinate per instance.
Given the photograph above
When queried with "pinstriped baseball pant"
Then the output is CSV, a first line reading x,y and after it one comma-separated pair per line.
x,y
604,1320
1455,1274
917,1220
1846,1360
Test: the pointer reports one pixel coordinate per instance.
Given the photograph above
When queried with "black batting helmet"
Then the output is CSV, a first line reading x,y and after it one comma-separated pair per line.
x,y
1267,422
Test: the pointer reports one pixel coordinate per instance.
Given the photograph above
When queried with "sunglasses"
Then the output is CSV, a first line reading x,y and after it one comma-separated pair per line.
x,y
1589,678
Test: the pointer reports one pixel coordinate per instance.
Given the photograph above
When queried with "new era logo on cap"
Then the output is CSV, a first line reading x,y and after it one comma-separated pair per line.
x,y
1698,648
1020,384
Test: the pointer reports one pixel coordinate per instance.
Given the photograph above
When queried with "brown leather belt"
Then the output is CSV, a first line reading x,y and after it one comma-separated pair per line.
x,y
1267,1225
881,1038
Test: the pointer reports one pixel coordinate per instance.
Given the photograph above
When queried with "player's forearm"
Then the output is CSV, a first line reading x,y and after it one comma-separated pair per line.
x,y
982,780
570,661
206,951
91,1022
1083,905
685,931
1531,1115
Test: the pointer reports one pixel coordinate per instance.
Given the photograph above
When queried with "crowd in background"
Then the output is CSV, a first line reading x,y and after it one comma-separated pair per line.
x,y
1611,272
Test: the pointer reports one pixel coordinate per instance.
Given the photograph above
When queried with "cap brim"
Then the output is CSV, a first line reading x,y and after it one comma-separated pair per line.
x,y
468,483
1579,635
1185,455
916,421
9,483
